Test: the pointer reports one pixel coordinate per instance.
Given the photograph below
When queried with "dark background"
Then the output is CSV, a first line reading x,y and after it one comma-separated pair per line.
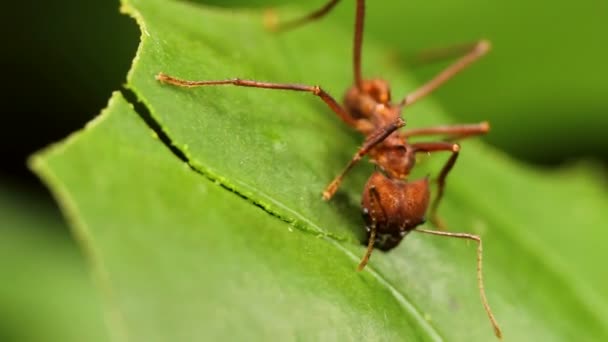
x,y
63,60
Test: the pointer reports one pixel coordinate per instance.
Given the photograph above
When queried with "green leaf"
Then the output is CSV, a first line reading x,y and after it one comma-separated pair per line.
x,y
182,258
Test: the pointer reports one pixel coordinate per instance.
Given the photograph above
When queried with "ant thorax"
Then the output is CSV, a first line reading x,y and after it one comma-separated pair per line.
x,y
394,157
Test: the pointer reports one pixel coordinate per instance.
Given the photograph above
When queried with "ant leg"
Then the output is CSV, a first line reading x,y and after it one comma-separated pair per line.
x,y
434,55
476,52
372,237
455,132
318,14
374,139
452,131
315,90
482,292
436,147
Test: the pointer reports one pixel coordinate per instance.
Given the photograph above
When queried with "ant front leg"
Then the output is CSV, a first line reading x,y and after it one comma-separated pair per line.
x,y
429,147
482,292
315,90
373,139
374,203
477,51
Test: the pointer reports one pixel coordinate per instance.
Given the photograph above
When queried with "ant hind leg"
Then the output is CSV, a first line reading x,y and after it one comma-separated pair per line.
x,y
272,25
480,284
315,90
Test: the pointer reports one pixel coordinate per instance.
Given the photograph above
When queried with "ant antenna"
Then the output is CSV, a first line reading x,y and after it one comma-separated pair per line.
x,y
482,292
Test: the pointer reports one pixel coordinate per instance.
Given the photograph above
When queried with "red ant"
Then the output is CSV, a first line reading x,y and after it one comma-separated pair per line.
x,y
392,205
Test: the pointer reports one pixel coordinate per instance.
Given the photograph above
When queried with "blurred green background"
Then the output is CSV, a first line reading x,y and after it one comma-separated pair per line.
x,y
543,88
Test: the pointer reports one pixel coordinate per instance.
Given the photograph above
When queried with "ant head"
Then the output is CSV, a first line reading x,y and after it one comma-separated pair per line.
x,y
378,89
395,206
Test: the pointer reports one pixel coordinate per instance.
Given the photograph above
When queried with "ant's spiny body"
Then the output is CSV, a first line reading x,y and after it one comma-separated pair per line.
x,y
392,205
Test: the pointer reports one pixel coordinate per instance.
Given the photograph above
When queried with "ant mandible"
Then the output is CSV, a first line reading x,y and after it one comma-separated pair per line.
x,y
392,205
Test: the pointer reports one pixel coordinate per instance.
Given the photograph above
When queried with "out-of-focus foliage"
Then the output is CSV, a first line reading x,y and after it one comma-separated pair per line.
x,y
45,290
